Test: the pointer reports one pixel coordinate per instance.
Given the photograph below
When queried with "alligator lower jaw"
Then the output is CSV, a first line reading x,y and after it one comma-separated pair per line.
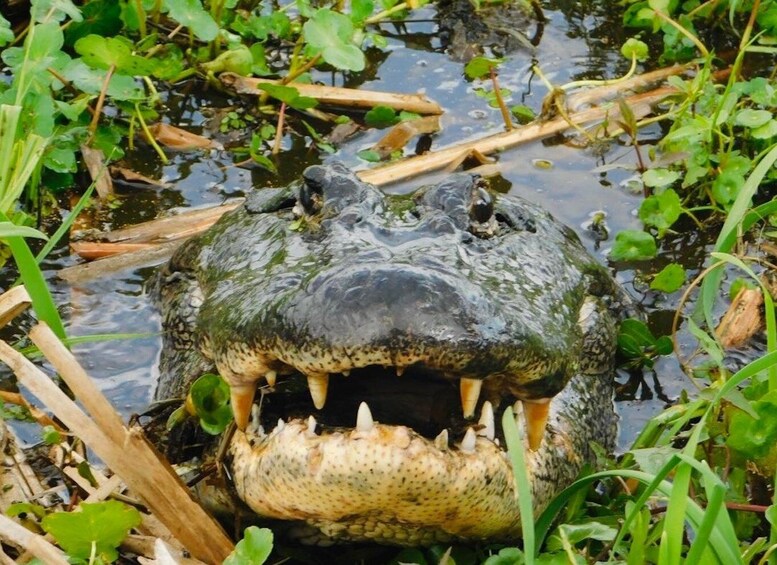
x,y
377,482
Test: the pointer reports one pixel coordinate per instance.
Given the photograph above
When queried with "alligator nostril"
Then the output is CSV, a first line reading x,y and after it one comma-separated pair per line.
x,y
482,206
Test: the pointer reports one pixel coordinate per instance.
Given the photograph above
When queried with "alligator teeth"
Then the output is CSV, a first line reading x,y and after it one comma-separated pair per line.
x,y
400,370
255,424
364,422
311,431
346,373
441,441
468,443
536,412
318,383
488,429
242,398
281,424
271,377
470,392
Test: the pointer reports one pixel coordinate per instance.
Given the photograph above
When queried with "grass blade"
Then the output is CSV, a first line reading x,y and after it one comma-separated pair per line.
x,y
515,450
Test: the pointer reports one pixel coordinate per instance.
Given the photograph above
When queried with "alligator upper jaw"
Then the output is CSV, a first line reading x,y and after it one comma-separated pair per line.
x,y
535,412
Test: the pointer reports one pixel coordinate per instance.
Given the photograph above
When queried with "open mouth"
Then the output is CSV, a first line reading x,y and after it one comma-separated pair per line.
x,y
419,399
388,457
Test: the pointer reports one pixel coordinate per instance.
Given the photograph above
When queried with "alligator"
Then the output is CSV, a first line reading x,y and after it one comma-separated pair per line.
x,y
384,333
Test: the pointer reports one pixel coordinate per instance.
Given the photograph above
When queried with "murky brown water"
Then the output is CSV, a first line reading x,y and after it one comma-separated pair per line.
x,y
580,40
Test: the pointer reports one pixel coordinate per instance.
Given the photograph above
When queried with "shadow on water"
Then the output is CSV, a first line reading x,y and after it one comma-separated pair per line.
x,y
581,40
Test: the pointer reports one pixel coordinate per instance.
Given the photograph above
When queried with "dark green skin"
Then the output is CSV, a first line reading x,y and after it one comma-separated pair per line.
x,y
471,289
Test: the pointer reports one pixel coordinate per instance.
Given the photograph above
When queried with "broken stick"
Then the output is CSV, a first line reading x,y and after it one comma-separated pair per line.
x,y
334,96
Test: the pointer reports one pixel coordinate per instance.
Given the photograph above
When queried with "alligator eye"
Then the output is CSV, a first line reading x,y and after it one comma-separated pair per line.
x,y
311,198
482,207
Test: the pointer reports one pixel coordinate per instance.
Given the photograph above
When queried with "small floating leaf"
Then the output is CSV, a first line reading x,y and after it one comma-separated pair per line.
x,y
669,279
633,245
661,210
480,67
656,178
381,117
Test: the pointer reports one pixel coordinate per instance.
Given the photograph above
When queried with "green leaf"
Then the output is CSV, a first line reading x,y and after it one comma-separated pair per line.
x,y
104,524
750,118
738,284
361,10
707,343
9,229
331,34
635,48
289,95
664,345
210,398
254,548
369,155
238,60
6,33
191,14
50,435
30,64
657,178
756,438
102,53
575,533
653,459
634,336
90,81
633,245
524,114
766,131
381,117
726,187
101,17
480,67
506,556
54,11
660,210
20,508
60,159
670,279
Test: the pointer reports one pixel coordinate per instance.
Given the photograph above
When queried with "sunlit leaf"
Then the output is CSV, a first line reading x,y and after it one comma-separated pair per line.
x,y
209,395
6,33
191,14
480,67
635,48
331,34
9,229
633,245
104,52
661,210
670,279
103,524
289,95
750,118
381,117
254,548
54,11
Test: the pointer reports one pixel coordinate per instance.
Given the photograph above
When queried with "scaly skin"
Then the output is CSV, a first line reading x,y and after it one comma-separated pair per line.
x,y
454,284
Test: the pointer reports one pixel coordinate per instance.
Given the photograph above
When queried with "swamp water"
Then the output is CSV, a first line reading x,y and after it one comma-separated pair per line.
x,y
581,40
